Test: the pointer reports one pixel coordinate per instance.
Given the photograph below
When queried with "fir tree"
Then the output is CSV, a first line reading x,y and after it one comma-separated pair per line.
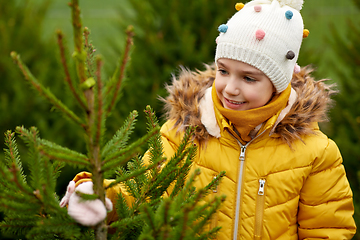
x,y
28,199
345,118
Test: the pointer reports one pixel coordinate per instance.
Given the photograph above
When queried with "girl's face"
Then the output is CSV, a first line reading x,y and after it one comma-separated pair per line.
x,y
241,86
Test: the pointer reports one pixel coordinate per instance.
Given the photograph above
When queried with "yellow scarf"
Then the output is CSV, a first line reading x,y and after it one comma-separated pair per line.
x,y
247,120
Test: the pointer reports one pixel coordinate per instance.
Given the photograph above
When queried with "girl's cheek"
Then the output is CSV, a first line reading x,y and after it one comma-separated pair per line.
x,y
218,85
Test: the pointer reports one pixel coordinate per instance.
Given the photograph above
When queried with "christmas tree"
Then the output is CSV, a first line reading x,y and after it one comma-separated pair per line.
x,y
345,117
28,199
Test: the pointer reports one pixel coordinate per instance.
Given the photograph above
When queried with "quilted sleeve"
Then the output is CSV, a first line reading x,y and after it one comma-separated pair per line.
x,y
326,204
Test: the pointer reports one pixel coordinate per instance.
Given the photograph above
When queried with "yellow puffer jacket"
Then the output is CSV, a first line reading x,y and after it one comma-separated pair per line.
x,y
287,183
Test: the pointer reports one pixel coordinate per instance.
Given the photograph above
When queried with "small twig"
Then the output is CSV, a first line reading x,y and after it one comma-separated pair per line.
x,y
100,100
66,70
14,171
43,91
90,51
79,54
125,60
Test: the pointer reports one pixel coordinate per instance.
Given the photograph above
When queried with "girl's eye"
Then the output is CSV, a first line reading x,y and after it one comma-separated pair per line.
x,y
249,79
223,72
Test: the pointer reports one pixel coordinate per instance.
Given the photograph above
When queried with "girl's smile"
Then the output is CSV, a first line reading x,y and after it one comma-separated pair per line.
x,y
241,86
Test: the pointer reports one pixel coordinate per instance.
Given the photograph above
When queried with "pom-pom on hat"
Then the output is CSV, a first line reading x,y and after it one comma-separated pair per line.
x,y
266,34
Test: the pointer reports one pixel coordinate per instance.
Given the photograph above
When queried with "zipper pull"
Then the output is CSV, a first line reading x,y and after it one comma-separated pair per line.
x,y
261,187
242,153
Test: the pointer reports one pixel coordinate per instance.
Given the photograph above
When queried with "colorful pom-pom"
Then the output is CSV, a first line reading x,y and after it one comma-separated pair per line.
x,y
223,28
297,68
290,55
306,33
239,6
257,8
289,14
260,34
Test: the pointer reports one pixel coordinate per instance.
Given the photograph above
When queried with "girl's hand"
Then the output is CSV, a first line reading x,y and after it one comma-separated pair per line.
x,y
85,212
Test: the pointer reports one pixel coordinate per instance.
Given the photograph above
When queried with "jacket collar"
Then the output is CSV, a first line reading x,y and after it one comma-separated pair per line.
x,y
215,128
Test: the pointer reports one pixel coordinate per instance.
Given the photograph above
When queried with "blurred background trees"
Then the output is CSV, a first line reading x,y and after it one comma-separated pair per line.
x,y
169,33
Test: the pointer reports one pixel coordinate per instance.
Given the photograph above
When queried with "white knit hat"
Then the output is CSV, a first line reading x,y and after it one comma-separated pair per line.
x,y
266,34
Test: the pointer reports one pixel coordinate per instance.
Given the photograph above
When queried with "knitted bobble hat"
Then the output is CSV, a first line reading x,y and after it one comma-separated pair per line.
x,y
266,34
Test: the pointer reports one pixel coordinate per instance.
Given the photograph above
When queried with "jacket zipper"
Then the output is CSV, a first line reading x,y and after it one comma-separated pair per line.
x,y
259,210
239,185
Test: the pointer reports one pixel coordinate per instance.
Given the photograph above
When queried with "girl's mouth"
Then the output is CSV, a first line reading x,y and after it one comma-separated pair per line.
x,y
233,104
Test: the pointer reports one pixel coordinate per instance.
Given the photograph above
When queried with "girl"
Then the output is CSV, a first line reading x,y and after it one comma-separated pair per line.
x,y
257,120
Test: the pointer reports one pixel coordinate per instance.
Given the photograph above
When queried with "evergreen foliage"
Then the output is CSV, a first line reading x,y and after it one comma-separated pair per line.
x,y
29,201
345,117
21,30
170,33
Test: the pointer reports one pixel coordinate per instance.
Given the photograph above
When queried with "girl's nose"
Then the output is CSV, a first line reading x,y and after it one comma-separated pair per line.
x,y
232,87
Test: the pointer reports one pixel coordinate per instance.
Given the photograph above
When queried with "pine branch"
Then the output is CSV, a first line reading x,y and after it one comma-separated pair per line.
x,y
79,54
122,208
149,217
12,156
100,118
114,86
125,176
56,152
45,92
36,167
10,194
183,172
90,50
113,160
134,165
68,79
121,137
167,175
90,127
170,171
128,228
215,182
183,216
52,150
41,170
210,208
155,144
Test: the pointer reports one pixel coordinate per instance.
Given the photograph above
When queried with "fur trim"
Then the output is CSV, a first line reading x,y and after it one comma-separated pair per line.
x,y
208,118
185,93
186,97
312,105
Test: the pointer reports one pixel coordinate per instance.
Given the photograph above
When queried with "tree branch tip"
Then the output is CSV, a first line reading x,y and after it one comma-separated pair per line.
x,y
14,55
80,56
89,83
19,128
9,133
130,29
99,57
59,33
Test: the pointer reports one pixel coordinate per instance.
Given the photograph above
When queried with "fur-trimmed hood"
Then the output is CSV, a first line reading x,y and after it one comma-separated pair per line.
x,y
187,100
